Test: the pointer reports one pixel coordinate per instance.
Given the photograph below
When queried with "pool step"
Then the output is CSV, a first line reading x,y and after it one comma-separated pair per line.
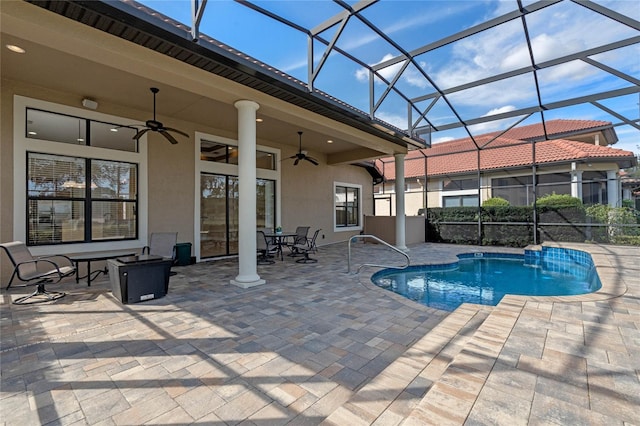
x,y
451,398
391,396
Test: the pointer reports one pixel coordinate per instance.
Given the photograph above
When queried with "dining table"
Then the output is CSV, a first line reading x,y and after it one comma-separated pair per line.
x,y
280,239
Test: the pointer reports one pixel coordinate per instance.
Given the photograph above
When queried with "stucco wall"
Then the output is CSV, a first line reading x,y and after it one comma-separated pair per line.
x,y
307,190
384,227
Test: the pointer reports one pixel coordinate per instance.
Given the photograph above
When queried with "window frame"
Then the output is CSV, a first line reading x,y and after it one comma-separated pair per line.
x,y
88,199
359,214
22,145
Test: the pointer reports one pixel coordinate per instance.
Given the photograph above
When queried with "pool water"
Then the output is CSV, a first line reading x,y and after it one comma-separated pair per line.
x,y
485,281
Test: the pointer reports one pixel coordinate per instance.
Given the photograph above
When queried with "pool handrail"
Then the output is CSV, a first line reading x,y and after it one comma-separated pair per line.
x,y
363,236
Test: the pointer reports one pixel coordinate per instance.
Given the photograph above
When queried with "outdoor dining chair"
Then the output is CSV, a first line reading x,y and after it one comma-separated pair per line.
x,y
299,239
267,249
37,271
309,247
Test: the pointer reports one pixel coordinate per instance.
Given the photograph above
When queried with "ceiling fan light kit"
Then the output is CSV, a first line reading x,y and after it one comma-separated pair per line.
x,y
302,155
156,126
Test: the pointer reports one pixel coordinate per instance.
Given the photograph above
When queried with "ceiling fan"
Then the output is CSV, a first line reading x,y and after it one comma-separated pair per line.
x,y
156,126
302,155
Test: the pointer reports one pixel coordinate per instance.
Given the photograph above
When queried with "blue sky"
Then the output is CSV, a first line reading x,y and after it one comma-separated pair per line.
x,y
555,31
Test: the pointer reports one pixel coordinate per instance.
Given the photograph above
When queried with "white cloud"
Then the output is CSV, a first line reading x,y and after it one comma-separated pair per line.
x,y
410,75
394,119
494,125
443,139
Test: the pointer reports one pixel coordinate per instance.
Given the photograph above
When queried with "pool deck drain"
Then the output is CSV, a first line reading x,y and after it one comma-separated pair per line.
x,y
318,346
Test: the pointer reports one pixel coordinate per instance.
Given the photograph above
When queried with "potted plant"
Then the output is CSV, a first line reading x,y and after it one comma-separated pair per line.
x,y
278,229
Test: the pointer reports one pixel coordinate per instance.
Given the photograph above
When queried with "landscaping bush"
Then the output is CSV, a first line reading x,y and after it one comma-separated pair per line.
x,y
612,217
561,209
559,201
495,202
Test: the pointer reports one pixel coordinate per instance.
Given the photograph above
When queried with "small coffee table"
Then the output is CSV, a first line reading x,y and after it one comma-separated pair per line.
x,y
95,257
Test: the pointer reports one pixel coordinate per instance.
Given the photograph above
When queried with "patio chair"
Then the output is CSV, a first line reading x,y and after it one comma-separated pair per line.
x,y
309,247
299,239
37,271
266,249
162,244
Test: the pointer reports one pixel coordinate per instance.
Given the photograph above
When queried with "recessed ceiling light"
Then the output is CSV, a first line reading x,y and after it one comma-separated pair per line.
x,y
329,141
32,133
80,140
16,49
259,120
113,129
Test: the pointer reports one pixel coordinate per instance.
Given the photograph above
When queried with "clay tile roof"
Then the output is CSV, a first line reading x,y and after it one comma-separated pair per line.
x,y
554,127
500,154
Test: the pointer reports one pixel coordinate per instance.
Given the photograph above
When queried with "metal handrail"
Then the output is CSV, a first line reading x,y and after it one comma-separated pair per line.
x,y
373,264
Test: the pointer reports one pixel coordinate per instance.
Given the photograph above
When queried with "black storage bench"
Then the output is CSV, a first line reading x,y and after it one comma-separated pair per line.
x,y
138,278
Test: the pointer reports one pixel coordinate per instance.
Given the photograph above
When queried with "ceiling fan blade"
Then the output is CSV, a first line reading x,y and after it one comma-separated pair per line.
x,y
311,160
295,163
293,156
180,132
140,134
168,136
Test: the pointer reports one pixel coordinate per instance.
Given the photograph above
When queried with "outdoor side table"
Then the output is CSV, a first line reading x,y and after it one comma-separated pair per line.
x,y
138,278
94,257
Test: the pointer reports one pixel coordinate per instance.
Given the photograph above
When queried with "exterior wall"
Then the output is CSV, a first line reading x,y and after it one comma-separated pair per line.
x,y
307,194
384,228
307,190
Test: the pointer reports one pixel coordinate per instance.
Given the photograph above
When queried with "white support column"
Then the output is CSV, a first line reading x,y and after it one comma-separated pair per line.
x,y
247,245
400,215
576,181
613,194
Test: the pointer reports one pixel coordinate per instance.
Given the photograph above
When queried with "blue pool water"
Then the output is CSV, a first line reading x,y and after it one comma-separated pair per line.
x,y
485,278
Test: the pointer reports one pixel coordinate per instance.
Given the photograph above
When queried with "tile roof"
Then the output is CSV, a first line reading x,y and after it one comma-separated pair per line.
x,y
554,127
503,153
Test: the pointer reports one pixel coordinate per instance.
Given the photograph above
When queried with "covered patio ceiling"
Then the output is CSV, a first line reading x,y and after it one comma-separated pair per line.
x,y
407,95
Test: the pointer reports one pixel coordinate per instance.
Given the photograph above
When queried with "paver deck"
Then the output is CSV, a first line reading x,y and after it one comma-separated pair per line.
x,y
316,345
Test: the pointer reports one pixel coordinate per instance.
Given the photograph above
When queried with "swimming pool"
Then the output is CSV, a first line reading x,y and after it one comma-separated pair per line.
x,y
484,278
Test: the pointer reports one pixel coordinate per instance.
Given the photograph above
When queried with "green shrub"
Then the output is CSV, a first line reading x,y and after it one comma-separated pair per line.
x,y
598,212
558,201
495,202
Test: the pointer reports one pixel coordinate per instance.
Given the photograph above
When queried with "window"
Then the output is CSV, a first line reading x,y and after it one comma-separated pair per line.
x,y
347,206
55,127
223,153
518,190
66,193
594,188
459,184
460,201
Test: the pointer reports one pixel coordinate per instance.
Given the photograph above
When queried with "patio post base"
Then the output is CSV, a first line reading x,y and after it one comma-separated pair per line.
x,y
248,284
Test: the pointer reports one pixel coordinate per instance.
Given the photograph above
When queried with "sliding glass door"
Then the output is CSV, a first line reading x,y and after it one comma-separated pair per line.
x,y
219,212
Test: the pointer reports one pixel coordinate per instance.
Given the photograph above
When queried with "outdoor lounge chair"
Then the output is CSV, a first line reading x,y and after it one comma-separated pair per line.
x,y
37,271
267,249
309,247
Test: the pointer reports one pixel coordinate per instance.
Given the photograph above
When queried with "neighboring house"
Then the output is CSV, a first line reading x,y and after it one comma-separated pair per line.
x,y
575,160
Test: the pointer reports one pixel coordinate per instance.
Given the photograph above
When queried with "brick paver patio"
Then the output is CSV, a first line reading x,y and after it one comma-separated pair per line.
x,y
317,345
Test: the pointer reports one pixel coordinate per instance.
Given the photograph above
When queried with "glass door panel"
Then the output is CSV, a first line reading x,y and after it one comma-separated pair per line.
x,y
266,203
233,216
213,215
219,212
